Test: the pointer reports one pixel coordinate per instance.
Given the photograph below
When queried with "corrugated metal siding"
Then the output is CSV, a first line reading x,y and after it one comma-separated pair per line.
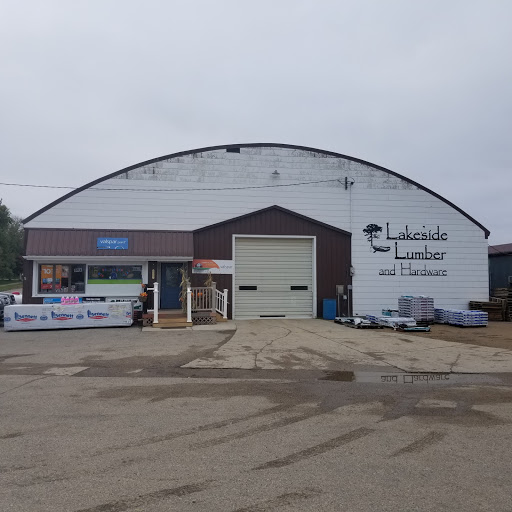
x,y
333,251
499,271
82,242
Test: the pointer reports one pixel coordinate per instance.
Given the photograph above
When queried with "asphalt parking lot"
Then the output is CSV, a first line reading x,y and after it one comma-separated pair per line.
x,y
113,420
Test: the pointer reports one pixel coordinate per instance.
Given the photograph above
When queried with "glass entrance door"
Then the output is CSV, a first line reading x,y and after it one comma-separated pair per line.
x,y
170,288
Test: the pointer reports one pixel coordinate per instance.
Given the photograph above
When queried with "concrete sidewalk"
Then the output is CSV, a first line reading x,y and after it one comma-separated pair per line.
x,y
318,344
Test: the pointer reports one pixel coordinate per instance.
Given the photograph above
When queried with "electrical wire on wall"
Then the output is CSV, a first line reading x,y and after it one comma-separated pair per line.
x,y
85,187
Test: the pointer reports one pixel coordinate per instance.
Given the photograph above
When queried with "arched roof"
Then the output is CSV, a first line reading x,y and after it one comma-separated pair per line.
x,y
254,145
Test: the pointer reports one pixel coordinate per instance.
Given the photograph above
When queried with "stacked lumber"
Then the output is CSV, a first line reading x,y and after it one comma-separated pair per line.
x,y
494,308
506,295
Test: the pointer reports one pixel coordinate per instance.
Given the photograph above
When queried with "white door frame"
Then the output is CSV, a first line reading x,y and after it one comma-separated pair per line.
x,y
233,281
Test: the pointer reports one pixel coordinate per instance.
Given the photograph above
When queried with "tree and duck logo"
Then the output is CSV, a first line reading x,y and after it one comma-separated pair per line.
x,y
372,232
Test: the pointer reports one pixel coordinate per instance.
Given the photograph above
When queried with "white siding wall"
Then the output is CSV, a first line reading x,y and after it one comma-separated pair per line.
x,y
183,195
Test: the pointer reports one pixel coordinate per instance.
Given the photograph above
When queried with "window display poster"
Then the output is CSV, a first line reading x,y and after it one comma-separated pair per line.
x,y
114,274
46,277
58,277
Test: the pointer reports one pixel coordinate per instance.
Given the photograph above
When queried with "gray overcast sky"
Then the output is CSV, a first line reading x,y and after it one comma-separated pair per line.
x,y
422,88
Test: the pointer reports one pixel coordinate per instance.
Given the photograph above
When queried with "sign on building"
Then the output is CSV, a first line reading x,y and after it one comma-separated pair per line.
x,y
112,243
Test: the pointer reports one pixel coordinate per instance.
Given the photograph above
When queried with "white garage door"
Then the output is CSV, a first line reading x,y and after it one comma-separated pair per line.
x,y
273,277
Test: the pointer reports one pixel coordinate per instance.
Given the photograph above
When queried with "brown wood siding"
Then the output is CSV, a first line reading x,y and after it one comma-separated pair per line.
x,y
27,284
333,248
82,242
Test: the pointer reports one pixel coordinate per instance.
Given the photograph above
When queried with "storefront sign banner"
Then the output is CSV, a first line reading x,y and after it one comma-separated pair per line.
x,y
212,266
51,300
112,243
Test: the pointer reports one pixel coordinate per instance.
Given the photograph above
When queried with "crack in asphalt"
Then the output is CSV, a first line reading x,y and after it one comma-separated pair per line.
x,y
256,367
24,384
454,363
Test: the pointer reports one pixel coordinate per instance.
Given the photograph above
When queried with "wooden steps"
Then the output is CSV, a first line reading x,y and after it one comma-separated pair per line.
x,y
167,319
172,321
176,319
220,318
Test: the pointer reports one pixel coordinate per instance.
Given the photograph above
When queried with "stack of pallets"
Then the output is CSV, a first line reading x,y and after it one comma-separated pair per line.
x,y
496,308
506,295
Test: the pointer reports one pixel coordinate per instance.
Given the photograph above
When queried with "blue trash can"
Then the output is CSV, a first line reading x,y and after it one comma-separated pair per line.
x,y
329,309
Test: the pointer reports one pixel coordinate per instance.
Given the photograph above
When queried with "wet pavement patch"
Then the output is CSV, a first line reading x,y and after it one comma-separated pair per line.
x,y
11,436
289,499
318,449
285,392
151,498
10,356
339,376
421,444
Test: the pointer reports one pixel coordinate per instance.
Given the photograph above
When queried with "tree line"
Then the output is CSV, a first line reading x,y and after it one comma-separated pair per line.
x,y
11,244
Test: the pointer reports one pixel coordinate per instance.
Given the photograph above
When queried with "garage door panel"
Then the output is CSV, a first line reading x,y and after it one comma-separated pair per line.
x,y
273,266
275,269
279,307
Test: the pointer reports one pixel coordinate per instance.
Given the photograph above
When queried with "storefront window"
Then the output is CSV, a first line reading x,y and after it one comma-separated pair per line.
x,y
114,274
62,278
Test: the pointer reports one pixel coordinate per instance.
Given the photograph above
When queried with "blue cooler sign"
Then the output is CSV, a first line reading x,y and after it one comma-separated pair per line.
x,y
112,243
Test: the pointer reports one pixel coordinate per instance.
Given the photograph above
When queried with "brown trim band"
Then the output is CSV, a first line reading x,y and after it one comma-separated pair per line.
x,y
254,145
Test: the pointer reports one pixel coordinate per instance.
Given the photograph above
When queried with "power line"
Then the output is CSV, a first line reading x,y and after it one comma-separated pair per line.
x,y
170,189
35,186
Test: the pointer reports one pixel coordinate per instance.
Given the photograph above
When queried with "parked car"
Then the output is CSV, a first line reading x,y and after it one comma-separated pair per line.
x,y
6,299
10,296
18,297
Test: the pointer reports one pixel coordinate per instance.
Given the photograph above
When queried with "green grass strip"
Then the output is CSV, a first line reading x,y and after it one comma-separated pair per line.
x,y
9,285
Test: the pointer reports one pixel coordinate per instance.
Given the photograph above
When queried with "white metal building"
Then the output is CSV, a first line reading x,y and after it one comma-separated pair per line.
x,y
283,225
